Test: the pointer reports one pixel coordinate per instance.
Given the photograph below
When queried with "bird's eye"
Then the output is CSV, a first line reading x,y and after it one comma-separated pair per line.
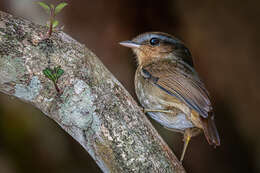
x,y
154,41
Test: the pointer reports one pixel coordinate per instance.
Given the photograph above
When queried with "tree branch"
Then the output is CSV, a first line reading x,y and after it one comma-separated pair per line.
x,y
93,107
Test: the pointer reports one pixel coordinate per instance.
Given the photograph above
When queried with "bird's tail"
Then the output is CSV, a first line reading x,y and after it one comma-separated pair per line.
x,y
210,130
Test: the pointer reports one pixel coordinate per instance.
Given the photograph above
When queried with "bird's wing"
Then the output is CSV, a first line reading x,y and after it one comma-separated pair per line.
x,y
180,81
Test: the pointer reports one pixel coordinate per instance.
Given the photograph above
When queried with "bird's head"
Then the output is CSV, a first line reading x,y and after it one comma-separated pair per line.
x,y
152,46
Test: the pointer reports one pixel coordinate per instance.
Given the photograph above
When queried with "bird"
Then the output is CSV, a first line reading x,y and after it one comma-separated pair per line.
x,y
169,88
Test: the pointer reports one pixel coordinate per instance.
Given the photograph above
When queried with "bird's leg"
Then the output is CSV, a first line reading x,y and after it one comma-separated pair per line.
x,y
186,138
157,110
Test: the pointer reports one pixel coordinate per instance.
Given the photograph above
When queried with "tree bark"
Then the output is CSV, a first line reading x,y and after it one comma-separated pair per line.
x,y
93,107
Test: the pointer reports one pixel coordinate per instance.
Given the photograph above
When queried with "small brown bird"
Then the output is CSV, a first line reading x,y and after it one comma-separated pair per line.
x,y
169,88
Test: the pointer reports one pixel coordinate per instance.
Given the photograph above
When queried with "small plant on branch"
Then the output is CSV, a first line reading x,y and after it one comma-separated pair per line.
x,y
53,75
52,11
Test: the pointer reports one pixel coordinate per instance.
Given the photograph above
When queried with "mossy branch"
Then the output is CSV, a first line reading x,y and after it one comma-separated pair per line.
x,y
94,108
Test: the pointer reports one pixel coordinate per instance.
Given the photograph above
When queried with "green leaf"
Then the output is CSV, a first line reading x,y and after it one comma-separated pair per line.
x,y
44,6
48,73
60,7
52,6
55,23
59,73
53,74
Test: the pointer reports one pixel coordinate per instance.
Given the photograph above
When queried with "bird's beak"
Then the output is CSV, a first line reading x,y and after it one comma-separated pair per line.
x,y
130,44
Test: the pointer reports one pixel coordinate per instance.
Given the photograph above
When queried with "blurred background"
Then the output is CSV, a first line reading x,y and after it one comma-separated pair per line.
x,y
224,39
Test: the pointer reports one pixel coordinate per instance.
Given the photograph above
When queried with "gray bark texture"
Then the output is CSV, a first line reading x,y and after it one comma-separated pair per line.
x,y
93,107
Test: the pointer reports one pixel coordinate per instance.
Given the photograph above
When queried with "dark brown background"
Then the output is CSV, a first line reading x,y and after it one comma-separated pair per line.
x,y
224,39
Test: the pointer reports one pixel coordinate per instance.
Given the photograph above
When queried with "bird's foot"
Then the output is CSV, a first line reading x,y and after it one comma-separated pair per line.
x,y
186,138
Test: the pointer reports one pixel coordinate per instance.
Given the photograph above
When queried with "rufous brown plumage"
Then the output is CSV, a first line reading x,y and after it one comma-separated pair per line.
x,y
169,88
